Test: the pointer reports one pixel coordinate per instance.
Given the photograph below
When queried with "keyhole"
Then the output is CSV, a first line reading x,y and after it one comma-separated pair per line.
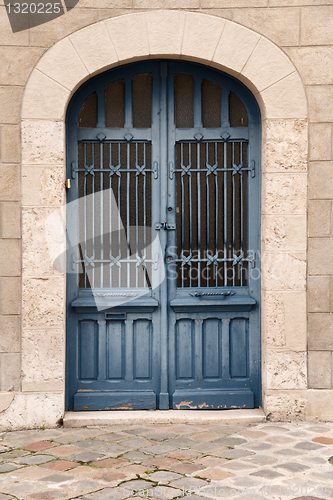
x,y
169,259
169,209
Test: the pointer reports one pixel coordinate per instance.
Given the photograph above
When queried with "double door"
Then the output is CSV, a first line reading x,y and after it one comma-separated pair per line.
x,y
163,225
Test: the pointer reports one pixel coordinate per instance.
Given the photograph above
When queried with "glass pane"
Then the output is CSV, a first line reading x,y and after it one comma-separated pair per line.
x,y
114,104
142,101
211,104
211,214
88,112
237,112
184,104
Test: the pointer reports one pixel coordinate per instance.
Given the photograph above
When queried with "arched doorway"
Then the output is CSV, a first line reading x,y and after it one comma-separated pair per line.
x,y
163,284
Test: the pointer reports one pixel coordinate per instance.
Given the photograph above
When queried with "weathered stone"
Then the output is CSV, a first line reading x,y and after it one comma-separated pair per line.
x,y
8,468
284,406
286,370
320,405
293,467
267,474
306,445
274,319
9,182
43,302
320,141
320,179
42,142
163,477
319,370
35,459
10,220
43,186
319,218
323,440
284,271
10,98
320,331
320,103
38,347
316,26
9,333
286,232
313,64
285,194
10,371
10,295
17,63
10,151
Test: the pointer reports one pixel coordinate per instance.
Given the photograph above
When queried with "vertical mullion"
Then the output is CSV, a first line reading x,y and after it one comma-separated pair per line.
x,y
102,213
136,215
216,215
225,214
128,214
207,214
233,213
199,214
144,213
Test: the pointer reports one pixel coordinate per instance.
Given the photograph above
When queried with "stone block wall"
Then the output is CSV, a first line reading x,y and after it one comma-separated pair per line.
x,y
300,28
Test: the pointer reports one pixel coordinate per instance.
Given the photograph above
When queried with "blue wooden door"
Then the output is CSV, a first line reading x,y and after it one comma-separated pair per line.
x,y
163,224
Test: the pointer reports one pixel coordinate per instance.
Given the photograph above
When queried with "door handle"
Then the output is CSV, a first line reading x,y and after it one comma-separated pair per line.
x,y
168,226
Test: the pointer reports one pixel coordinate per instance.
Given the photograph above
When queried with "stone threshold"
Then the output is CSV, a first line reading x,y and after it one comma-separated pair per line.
x,y
119,417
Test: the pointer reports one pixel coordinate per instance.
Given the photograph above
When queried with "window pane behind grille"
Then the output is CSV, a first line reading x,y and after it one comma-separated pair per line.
x,y
114,104
88,112
211,215
142,101
211,104
115,224
237,112
184,104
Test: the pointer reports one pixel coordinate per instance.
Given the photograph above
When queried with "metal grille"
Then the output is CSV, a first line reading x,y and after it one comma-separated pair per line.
x,y
211,213
114,182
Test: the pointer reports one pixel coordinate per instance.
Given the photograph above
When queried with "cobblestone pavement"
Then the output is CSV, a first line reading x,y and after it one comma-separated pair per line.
x,y
265,460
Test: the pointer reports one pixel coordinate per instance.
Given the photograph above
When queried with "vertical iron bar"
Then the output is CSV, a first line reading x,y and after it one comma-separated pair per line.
x,y
136,215
144,212
233,214
128,215
93,211
216,215
183,212
102,214
110,212
119,219
242,220
225,213
207,214
190,207
85,211
199,214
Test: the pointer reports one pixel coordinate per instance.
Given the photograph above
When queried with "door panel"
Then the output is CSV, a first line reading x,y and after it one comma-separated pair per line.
x,y
164,161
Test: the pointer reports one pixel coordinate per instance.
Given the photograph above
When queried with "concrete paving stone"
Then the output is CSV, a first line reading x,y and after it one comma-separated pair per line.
x,y
290,452
134,456
136,485
187,469
164,492
38,446
160,462
262,460
9,455
275,428
57,478
8,467
68,439
66,451
135,443
300,434
88,456
279,439
114,436
137,430
206,436
132,470
184,454
60,465
323,440
91,444
109,462
159,449
233,465
34,459
246,482
258,446
319,428
231,441
208,447
306,445
292,467
107,494
209,461
214,473
163,477
112,476
266,473
182,443
253,434
160,436
188,483
315,460
232,453
48,495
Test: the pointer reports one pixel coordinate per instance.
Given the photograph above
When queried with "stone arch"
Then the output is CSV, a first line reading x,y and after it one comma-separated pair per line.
x,y
268,72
